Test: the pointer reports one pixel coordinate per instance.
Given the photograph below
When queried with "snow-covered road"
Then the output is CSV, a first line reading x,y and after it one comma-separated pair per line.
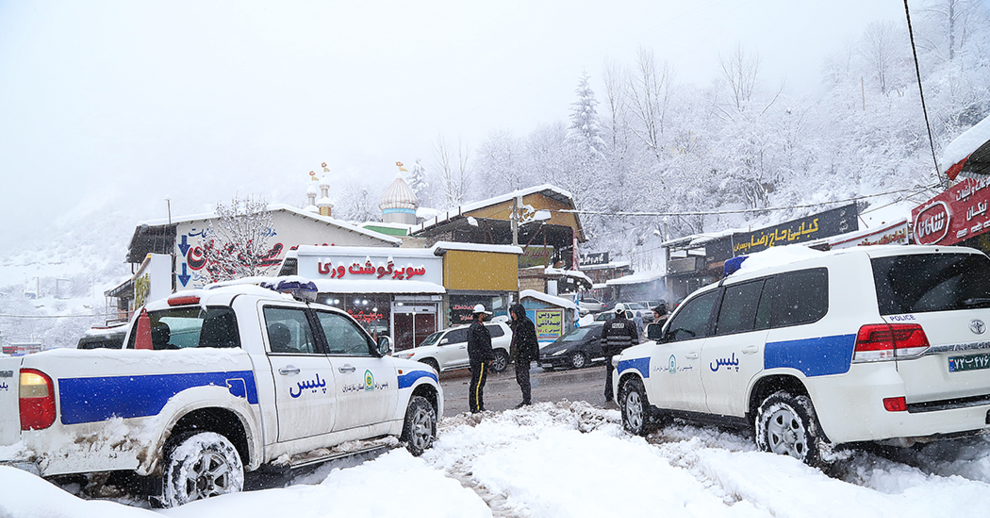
x,y
572,460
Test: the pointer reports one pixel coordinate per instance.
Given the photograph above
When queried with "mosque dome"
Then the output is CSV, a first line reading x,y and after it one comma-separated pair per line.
x,y
398,196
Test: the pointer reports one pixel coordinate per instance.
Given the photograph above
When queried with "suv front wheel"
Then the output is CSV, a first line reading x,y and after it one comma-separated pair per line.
x,y
634,406
787,425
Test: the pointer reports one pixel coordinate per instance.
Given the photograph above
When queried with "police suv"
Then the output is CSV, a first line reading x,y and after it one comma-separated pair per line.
x,y
880,343
210,384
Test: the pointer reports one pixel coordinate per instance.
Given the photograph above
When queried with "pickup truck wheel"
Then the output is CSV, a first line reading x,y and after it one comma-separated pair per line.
x,y
635,407
432,363
420,427
787,425
199,465
501,360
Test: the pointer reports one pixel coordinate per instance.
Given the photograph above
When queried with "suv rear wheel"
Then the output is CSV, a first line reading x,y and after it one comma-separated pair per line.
x,y
787,425
199,465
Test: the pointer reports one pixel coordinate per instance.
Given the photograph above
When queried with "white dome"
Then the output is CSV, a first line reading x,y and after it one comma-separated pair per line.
x,y
398,196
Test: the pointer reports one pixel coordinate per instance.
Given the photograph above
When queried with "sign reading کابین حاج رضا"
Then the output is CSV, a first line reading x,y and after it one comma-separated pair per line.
x,y
824,224
955,215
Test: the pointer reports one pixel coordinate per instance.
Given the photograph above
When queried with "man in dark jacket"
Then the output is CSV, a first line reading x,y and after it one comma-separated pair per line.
x,y
480,357
617,334
525,349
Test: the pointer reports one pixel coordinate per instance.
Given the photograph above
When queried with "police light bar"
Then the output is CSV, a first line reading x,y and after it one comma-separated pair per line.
x,y
299,287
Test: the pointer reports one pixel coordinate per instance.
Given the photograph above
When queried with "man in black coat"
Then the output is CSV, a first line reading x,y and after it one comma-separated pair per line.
x,y
480,357
617,334
525,349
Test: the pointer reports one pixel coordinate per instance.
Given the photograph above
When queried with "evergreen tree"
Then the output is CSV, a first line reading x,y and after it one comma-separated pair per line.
x,y
418,183
584,130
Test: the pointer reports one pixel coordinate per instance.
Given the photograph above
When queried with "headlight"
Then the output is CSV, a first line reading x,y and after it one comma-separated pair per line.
x,y
404,354
558,353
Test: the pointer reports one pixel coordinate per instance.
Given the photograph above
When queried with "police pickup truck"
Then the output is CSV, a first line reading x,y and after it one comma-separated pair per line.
x,y
210,384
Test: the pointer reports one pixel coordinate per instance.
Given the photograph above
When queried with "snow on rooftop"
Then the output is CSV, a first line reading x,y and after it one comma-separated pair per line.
x,y
568,273
442,246
549,299
965,144
442,216
636,278
280,207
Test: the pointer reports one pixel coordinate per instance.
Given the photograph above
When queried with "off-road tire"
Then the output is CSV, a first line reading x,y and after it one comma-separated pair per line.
x,y
420,427
787,425
199,465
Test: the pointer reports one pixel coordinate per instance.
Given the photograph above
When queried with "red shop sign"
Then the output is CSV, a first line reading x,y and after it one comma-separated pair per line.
x,y
957,214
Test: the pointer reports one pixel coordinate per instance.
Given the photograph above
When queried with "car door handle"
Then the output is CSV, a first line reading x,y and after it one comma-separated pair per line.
x,y
463,347
750,349
691,356
288,369
346,368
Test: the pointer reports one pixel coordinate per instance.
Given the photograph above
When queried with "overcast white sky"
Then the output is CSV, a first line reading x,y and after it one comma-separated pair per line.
x,y
120,102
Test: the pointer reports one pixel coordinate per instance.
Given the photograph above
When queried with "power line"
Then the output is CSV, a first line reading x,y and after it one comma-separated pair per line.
x,y
742,211
917,71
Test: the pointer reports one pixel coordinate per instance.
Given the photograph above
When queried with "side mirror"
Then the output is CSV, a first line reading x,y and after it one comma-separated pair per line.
x,y
385,345
654,331
443,341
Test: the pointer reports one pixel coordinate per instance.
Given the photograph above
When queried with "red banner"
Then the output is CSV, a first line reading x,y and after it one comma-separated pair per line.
x,y
957,214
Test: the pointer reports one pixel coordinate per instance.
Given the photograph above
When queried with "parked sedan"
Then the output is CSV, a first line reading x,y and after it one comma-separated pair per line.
x,y
579,348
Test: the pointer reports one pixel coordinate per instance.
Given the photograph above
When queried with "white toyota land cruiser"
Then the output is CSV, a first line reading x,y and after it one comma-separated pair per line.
x,y
865,344
210,384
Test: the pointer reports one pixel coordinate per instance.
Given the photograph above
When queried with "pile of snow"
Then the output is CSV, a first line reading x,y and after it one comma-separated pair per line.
x,y
574,460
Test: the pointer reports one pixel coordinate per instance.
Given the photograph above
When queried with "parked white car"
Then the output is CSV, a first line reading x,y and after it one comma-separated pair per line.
x,y
447,350
879,343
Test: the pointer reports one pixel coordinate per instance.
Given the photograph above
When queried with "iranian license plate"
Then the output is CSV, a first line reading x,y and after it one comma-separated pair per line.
x,y
969,363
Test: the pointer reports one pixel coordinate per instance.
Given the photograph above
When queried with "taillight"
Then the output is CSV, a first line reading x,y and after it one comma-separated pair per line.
x,y
37,400
895,404
883,342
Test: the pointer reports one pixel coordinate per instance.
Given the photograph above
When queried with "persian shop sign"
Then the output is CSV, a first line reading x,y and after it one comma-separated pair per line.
x,y
371,268
824,224
957,214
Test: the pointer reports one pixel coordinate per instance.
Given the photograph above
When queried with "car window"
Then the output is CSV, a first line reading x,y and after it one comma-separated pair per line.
x,y
581,332
432,339
692,320
739,306
457,336
931,282
799,297
344,337
182,328
495,330
289,331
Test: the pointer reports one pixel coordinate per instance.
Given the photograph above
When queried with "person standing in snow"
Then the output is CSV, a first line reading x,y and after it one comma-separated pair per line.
x,y
638,320
617,334
480,358
524,349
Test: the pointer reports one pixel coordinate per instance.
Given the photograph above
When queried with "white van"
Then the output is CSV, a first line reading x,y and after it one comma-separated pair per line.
x,y
863,344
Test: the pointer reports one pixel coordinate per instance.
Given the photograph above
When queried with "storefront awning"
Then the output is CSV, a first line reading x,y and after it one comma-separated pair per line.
x,y
969,154
378,286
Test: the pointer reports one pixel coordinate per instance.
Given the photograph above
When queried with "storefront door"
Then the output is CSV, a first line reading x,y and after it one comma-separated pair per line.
x,y
412,324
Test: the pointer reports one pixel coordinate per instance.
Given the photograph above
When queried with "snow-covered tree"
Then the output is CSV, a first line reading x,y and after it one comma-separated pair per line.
x,y
418,183
584,131
455,178
236,243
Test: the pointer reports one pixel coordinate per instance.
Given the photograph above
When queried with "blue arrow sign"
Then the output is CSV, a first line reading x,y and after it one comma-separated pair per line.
x,y
184,278
184,247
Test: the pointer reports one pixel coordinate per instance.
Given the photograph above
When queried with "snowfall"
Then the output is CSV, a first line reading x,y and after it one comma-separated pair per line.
x,y
572,460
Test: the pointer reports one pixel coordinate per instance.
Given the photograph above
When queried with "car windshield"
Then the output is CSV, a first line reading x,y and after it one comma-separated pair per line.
x,y
576,334
430,340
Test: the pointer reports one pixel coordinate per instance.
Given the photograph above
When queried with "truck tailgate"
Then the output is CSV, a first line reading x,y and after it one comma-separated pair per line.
x,y
10,420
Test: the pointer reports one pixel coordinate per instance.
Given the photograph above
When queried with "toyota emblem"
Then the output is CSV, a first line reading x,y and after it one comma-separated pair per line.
x,y
977,326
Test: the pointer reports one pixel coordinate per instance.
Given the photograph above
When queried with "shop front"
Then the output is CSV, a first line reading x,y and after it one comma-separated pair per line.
x,y
478,274
958,216
395,292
